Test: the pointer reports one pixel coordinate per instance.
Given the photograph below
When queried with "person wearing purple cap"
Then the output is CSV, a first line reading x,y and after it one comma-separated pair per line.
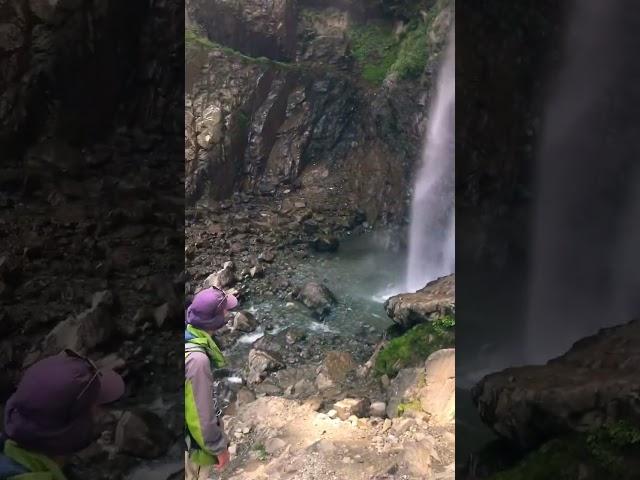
x,y
51,415
205,440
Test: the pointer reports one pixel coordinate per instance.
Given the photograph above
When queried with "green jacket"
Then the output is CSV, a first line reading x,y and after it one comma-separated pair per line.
x,y
34,465
203,430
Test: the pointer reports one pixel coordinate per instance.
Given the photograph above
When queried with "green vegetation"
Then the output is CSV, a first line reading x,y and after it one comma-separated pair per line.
x,y
416,345
603,452
261,451
380,52
609,443
375,48
403,8
193,39
411,405
557,460
412,54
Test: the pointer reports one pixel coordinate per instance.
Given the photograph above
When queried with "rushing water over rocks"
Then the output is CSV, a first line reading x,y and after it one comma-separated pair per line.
x,y
355,274
432,236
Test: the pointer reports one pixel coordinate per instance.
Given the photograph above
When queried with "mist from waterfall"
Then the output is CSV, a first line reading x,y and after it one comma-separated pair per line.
x,y
586,228
432,228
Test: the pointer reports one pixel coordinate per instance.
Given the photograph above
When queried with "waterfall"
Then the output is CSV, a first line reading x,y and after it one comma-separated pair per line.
x,y
585,266
432,228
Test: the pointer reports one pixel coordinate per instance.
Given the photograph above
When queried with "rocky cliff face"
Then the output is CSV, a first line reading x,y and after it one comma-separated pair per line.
x,y
499,122
70,69
307,95
255,27
91,207
575,417
593,384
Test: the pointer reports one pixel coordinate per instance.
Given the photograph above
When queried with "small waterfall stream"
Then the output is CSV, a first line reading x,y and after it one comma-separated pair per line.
x,y
432,230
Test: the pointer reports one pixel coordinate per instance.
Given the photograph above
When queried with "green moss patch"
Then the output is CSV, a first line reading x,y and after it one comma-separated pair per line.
x,y
612,443
380,52
414,346
193,39
376,49
558,460
607,452
410,405
412,54
261,452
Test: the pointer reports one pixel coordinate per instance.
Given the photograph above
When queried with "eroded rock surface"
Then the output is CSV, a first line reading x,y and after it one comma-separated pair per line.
x,y
437,297
595,382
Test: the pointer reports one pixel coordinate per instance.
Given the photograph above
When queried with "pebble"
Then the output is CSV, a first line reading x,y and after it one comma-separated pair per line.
x,y
332,413
386,425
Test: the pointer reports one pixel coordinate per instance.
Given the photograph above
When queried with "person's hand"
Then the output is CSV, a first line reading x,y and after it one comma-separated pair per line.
x,y
223,460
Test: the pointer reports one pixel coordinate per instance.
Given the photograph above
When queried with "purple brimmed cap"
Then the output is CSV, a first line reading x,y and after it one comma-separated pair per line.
x,y
51,410
206,311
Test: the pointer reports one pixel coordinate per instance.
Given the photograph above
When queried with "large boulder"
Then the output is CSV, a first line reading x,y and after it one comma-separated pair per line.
x,y
402,388
244,321
221,279
429,389
594,383
418,456
85,331
318,298
351,406
261,363
437,297
438,394
254,27
334,369
142,433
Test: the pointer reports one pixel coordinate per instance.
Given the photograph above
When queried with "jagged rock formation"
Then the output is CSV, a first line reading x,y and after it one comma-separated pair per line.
x,y
91,108
301,115
254,27
436,298
70,69
593,384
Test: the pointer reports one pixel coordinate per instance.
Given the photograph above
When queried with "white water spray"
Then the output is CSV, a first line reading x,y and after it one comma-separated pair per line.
x,y
587,223
432,231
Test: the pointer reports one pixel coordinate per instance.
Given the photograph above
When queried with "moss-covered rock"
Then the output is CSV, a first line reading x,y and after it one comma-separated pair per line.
x,y
375,48
612,451
437,298
414,346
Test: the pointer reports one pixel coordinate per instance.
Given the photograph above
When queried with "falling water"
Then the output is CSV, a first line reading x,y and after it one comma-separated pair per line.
x,y
587,224
432,232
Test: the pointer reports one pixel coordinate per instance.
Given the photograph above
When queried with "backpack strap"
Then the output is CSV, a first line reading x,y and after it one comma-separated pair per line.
x,y
9,468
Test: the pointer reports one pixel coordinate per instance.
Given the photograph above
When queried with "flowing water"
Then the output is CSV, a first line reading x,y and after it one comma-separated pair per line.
x,y
365,272
587,225
432,231
362,268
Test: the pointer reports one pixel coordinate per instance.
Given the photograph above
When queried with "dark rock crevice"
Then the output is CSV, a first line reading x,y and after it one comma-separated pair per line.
x,y
255,28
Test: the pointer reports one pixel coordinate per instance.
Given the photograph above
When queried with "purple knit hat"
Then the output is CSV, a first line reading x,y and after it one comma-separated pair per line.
x,y
206,311
50,412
